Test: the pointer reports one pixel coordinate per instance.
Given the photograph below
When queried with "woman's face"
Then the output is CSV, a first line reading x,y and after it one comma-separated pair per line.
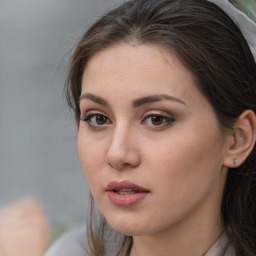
x,y
149,141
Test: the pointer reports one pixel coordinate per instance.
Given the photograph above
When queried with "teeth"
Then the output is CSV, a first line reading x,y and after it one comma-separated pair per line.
x,y
125,191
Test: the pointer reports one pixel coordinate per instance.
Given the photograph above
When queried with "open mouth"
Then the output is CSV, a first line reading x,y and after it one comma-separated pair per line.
x,y
126,191
125,188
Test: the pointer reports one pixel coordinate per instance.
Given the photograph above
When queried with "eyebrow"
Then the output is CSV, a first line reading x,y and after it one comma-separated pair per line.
x,y
94,98
155,98
135,103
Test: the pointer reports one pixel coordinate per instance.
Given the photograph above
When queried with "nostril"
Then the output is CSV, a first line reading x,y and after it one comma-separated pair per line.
x,y
118,164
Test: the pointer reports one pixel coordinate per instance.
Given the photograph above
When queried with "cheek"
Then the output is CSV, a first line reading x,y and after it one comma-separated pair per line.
x,y
91,156
91,161
185,166
179,153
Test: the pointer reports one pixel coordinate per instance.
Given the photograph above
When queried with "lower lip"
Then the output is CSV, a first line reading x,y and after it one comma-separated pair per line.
x,y
126,200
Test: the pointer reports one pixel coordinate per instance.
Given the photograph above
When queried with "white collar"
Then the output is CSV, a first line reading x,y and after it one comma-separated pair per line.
x,y
221,247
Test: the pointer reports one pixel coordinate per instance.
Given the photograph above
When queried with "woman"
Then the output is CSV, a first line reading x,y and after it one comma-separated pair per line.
x,y
164,94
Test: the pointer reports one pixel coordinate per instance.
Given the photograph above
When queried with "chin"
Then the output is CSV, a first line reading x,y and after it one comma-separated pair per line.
x,y
131,228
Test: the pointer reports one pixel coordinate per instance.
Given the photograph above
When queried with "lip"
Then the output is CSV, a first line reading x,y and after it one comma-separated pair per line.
x,y
125,200
124,185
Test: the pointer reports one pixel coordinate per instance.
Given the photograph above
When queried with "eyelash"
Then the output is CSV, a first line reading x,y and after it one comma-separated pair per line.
x,y
168,121
88,120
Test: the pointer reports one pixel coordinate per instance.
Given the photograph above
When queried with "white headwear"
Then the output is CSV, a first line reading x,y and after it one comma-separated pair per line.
x,y
246,25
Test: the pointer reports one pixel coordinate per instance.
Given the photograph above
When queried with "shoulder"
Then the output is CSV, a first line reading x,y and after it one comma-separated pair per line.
x,y
72,243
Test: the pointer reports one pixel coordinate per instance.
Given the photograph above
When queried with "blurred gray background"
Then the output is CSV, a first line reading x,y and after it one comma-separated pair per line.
x,y
38,154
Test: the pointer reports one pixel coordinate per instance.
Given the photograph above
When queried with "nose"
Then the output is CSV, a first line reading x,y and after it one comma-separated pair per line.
x,y
123,152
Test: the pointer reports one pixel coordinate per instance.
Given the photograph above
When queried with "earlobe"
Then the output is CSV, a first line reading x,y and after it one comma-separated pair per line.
x,y
242,141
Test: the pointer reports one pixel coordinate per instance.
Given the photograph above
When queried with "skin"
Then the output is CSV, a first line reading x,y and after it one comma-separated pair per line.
x,y
24,229
180,160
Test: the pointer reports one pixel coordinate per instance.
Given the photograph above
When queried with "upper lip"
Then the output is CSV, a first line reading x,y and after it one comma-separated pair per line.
x,y
116,185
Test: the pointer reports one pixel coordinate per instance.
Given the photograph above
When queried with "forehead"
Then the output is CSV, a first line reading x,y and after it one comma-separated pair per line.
x,y
125,70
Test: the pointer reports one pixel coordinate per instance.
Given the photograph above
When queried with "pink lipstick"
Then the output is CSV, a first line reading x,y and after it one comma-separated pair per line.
x,y
125,193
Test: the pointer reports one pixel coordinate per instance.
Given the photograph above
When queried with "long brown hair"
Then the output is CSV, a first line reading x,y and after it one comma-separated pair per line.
x,y
213,48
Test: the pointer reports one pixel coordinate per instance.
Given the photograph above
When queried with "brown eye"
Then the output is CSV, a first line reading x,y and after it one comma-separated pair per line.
x,y
157,120
100,119
96,120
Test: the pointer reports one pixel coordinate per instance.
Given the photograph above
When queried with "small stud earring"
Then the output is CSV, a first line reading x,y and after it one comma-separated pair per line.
x,y
234,161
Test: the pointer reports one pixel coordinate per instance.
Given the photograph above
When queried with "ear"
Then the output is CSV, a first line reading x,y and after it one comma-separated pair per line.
x,y
241,142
